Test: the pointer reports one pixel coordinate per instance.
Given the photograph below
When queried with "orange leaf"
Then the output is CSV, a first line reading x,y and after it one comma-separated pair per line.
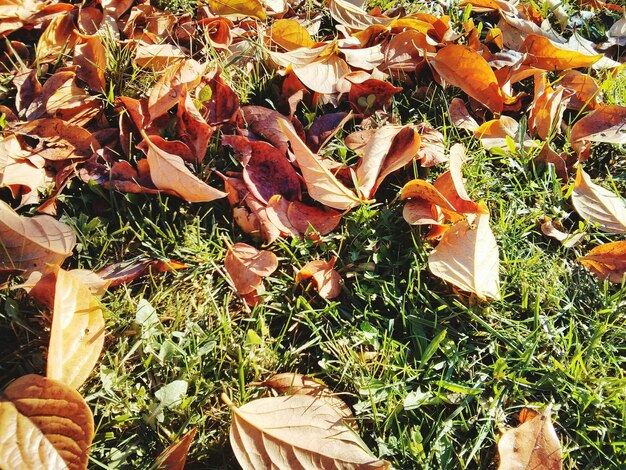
x,y
247,266
90,57
542,53
327,281
77,333
607,261
464,68
174,457
238,8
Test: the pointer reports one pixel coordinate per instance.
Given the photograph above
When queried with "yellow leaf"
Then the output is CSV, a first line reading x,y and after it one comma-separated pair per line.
x,y
77,333
290,35
238,8
44,424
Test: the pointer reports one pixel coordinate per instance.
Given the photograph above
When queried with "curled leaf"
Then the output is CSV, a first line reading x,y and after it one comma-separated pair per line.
x,y
247,266
326,279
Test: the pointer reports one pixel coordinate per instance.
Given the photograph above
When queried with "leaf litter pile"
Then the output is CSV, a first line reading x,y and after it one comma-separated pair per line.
x,y
325,138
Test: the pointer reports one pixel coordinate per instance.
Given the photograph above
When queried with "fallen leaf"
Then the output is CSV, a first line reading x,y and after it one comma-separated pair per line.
x,y
546,112
167,90
247,266
451,184
460,116
321,184
497,132
304,217
584,89
371,95
174,457
291,383
238,8
264,122
297,431
290,35
158,57
353,16
44,424
605,124
33,243
607,261
90,57
58,37
542,53
127,271
598,205
324,127
467,256
421,189
568,240
464,68
77,332
192,127
327,281
532,445
169,173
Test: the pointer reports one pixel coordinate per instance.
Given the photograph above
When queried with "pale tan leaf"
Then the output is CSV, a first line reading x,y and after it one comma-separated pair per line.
x,y
460,116
174,457
77,333
567,240
247,266
322,75
467,256
353,16
90,57
158,57
532,445
598,205
607,261
44,424
169,173
167,91
322,185
33,243
298,431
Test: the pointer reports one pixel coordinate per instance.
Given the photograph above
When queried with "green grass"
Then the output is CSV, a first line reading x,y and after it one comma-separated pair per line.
x,y
430,373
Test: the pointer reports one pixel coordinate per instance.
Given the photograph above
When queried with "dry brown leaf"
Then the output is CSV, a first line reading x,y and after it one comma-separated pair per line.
x,y
297,431
169,173
353,16
290,35
166,92
546,111
247,266
464,68
421,189
58,37
598,205
127,271
44,424
77,333
264,122
532,445
90,57
389,149
238,8
192,127
494,133
322,185
584,89
304,218
543,54
467,256
174,457
605,124
291,383
33,243
607,261
327,281
460,116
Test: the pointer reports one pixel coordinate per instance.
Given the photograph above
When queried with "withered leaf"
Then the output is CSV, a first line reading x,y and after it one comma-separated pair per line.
x,y
543,54
158,57
174,457
238,8
605,124
303,217
192,127
297,431
33,243
290,35
127,271
44,424
264,122
607,261
467,256
326,279
322,185
247,266
77,333
90,57
464,68
532,445
169,173
598,205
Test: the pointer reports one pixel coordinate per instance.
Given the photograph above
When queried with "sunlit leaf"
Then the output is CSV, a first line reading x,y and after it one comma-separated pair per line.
x,y
607,261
